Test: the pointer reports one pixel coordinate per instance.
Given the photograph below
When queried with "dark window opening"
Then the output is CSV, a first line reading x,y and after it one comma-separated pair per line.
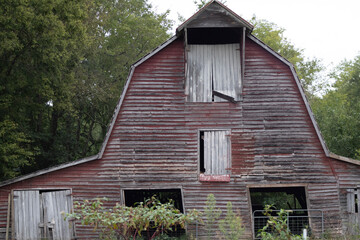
x,y
133,197
51,190
356,201
213,35
289,198
280,198
202,167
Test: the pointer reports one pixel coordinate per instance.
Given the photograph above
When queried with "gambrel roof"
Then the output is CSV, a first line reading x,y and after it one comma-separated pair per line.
x,y
200,19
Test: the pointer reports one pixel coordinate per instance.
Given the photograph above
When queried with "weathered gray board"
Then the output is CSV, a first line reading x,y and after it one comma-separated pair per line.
x,y
38,215
217,152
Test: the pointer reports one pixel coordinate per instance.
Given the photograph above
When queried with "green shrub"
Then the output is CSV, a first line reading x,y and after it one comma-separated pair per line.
x,y
277,225
231,227
212,214
122,222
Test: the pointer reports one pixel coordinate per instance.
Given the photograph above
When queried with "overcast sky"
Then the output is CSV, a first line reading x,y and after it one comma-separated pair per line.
x,y
325,29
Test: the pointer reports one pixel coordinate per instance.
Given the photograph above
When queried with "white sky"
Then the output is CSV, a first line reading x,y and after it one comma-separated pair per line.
x,y
326,29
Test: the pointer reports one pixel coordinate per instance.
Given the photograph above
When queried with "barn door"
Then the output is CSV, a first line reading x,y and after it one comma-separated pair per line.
x,y
53,203
37,215
27,215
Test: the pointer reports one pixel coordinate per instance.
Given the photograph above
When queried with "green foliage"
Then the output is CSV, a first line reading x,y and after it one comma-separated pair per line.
x,y
308,70
63,65
276,227
212,214
14,152
338,111
231,227
39,42
121,32
130,222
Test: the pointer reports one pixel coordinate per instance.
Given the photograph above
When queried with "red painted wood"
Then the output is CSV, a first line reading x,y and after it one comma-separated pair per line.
x,y
154,142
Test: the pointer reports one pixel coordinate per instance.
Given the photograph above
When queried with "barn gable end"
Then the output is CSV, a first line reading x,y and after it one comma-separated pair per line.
x,y
225,116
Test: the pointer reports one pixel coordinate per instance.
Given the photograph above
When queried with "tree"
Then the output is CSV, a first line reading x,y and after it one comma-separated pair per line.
x,y
14,151
308,70
62,67
121,33
39,48
338,111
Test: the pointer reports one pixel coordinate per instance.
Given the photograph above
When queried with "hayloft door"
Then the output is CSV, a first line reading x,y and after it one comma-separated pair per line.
x,y
38,214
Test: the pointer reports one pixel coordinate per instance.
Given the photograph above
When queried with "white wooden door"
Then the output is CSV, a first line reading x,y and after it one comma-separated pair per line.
x,y
53,204
38,215
27,215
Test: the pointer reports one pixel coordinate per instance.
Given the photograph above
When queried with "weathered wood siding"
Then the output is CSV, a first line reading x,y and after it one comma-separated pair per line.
x,y
154,142
349,180
87,181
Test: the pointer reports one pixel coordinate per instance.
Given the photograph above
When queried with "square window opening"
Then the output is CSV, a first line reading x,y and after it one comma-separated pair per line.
x,y
213,65
214,152
133,197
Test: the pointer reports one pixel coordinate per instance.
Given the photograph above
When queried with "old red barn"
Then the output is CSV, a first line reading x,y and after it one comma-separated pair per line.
x,y
212,110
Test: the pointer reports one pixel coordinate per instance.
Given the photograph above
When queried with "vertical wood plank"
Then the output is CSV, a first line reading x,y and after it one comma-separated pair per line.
x,y
27,214
216,152
55,203
350,201
226,70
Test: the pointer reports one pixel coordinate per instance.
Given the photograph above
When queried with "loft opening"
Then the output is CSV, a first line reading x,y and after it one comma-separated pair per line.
x,y
214,155
287,198
214,66
213,35
133,197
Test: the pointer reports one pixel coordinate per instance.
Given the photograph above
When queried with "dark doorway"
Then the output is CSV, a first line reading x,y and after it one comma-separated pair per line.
x,y
287,198
133,197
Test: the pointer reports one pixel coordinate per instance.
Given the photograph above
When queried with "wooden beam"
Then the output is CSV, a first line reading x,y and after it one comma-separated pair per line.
x,y
223,96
